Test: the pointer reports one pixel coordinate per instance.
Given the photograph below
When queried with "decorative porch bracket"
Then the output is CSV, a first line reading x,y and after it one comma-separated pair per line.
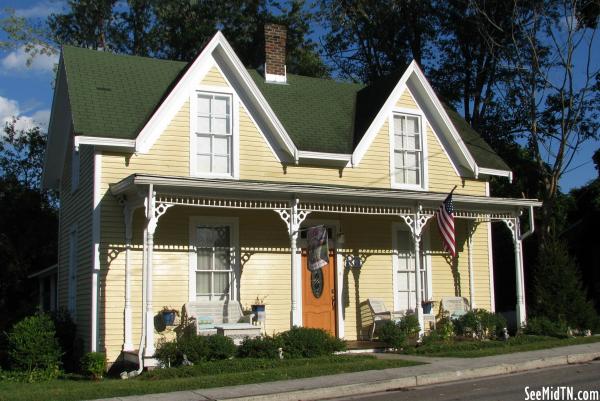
x,y
154,210
514,227
293,218
416,223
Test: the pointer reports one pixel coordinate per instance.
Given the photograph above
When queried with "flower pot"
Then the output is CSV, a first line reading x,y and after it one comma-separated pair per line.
x,y
168,318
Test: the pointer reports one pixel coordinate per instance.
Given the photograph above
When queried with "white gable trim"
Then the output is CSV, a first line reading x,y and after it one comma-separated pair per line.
x,y
390,104
103,142
218,45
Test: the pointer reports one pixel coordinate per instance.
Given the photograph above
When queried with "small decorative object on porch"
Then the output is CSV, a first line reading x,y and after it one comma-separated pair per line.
x,y
259,311
445,220
428,305
168,316
318,252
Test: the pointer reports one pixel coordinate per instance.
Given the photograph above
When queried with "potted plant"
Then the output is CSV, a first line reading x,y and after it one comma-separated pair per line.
x,y
259,309
168,315
427,306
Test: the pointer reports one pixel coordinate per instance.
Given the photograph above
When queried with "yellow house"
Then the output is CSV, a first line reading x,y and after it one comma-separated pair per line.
x,y
193,183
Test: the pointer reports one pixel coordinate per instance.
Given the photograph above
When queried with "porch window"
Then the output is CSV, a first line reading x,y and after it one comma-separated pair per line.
x,y
214,262
405,273
408,150
213,134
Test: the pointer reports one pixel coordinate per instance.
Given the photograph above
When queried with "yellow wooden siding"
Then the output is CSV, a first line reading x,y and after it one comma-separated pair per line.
x,y
213,78
406,101
449,280
76,209
257,162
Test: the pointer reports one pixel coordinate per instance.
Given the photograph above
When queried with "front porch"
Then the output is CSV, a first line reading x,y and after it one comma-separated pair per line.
x,y
265,220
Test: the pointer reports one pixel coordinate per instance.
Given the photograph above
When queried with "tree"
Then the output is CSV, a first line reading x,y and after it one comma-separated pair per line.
x,y
554,105
558,290
174,29
369,39
28,221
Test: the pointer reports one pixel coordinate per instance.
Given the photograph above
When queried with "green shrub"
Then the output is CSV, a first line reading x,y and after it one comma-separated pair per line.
x,y
304,342
195,348
93,364
480,323
168,353
66,334
220,347
33,348
260,347
443,333
542,326
409,324
392,335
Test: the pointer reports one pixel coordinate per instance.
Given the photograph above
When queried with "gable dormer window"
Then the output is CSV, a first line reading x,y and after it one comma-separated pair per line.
x,y
408,151
213,134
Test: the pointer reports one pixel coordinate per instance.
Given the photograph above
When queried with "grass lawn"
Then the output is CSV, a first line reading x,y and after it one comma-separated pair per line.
x,y
474,349
206,375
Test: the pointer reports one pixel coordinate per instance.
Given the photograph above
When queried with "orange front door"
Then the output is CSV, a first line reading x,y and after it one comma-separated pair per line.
x,y
318,295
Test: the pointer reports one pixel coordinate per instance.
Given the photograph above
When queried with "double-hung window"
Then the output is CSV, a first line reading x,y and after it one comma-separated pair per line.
x,y
214,262
405,273
408,150
213,134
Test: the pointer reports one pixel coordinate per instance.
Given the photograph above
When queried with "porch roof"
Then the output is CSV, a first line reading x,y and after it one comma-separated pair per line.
x,y
183,190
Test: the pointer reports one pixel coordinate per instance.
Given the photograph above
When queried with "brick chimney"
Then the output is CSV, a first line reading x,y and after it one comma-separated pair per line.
x,y
275,38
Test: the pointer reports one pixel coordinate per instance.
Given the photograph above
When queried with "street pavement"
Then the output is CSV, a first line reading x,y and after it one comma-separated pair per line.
x,y
510,387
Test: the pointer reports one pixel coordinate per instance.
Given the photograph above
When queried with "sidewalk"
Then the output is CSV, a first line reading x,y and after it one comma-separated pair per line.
x,y
437,370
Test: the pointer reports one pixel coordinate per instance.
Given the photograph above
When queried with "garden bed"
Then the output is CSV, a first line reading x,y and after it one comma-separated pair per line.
x,y
204,375
477,348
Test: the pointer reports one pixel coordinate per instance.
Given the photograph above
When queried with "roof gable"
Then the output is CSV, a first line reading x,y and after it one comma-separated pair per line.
x,y
132,99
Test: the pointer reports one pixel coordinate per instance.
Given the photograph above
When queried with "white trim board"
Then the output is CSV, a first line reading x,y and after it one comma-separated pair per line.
x,y
96,214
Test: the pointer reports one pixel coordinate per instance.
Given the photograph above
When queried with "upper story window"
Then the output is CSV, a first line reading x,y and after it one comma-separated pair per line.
x,y
213,131
408,150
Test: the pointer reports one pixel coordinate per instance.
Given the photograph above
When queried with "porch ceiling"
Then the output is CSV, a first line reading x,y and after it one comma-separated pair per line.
x,y
277,195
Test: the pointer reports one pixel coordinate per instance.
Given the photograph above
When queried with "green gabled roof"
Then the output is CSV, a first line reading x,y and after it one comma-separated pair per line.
x,y
115,95
483,153
318,114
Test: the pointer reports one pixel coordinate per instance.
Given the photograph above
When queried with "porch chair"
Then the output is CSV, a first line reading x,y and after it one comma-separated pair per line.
x,y
206,316
380,314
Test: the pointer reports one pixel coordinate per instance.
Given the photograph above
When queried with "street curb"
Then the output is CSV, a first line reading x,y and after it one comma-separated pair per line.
x,y
420,380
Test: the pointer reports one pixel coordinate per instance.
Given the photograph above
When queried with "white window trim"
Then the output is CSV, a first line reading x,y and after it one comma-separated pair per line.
x,y
75,169
72,271
425,253
235,130
424,124
232,222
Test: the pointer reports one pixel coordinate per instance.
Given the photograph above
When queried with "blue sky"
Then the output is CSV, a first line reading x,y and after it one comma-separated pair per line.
x,y
27,91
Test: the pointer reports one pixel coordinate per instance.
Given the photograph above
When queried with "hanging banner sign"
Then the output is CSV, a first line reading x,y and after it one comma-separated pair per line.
x,y
318,249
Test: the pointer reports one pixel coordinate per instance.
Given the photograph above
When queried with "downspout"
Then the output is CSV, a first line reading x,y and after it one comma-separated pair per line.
x,y
531,225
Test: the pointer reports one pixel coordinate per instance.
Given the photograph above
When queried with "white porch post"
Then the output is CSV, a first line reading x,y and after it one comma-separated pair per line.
x,y
153,213
514,227
127,341
293,218
471,230
416,222
151,224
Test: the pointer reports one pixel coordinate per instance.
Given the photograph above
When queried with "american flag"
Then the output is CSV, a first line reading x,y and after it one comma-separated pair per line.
x,y
445,220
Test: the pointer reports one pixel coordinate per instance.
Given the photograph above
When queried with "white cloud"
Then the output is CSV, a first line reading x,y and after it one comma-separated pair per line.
x,y
40,10
10,109
17,61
